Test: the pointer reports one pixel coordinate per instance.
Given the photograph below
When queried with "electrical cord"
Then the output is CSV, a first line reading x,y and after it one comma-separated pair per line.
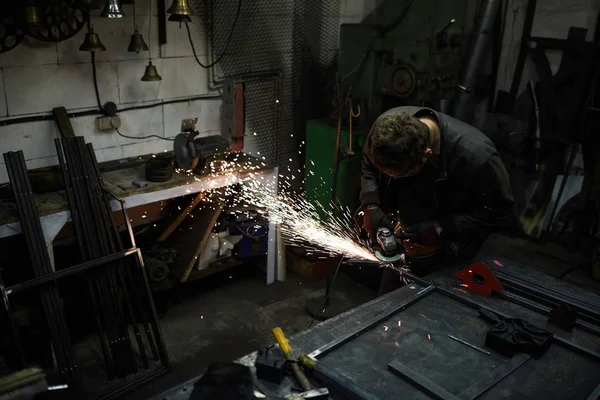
x,y
142,137
237,15
95,76
77,114
328,292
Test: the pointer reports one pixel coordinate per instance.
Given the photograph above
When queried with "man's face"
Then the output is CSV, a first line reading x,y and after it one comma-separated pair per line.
x,y
409,171
405,173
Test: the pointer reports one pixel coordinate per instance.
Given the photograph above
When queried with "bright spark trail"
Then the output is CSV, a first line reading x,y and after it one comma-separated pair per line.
x,y
300,222
298,219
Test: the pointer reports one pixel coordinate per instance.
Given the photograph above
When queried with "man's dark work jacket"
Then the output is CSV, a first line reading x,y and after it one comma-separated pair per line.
x,y
466,188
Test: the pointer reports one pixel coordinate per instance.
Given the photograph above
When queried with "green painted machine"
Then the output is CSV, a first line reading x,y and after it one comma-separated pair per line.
x,y
320,145
406,52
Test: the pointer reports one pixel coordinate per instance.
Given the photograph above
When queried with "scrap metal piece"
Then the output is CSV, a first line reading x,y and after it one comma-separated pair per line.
x,y
469,344
322,393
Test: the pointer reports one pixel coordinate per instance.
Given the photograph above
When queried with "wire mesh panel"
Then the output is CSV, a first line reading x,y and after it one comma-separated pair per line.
x,y
297,40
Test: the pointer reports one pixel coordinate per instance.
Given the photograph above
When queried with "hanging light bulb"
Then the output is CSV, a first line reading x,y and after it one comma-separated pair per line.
x,y
91,42
151,74
112,9
32,18
180,11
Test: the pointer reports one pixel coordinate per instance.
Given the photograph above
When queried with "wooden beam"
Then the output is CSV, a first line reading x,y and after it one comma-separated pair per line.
x,y
171,228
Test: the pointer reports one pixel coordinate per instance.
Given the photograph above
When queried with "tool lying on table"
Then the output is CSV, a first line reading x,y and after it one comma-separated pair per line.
x,y
510,336
479,278
292,361
340,385
270,364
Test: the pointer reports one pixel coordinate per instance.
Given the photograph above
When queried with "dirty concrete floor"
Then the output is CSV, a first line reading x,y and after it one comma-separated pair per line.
x,y
226,316
229,315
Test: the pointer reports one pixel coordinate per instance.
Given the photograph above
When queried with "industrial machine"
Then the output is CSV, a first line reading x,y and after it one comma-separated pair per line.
x,y
192,152
403,53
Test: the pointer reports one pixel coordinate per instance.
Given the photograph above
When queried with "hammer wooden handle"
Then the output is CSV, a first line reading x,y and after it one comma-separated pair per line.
x,y
289,355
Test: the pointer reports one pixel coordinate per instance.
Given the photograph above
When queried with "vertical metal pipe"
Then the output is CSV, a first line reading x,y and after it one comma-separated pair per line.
x,y
79,234
464,102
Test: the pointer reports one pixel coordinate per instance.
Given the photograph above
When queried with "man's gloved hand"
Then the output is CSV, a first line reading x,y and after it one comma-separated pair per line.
x,y
426,233
373,218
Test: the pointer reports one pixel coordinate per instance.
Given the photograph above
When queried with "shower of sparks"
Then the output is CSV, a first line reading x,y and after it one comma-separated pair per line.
x,y
298,219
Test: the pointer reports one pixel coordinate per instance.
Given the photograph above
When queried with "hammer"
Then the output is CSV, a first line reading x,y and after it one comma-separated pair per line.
x,y
289,355
326,375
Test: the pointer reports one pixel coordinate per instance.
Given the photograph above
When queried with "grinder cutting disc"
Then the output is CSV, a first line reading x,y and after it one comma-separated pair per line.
x,y
183,147
381,257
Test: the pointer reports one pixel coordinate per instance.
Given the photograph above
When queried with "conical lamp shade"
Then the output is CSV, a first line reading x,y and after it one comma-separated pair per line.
x,y
92,42
112,9
180,18
137,43
180,7
151,74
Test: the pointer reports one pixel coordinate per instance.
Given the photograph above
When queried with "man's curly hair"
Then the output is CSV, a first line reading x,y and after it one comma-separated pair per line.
x,y
398,142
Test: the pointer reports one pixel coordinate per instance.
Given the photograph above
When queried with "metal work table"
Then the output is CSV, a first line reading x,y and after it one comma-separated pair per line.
x,y
54,210
418,338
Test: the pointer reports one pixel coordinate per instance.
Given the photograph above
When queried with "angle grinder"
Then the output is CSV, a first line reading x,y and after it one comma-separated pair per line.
x,y
389,250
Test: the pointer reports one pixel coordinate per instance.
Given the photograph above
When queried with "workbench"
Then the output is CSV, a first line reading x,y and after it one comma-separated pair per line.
x,y
417,337
54,211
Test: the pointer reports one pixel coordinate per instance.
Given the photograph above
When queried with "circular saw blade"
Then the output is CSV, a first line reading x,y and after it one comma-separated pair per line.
x,y
381,257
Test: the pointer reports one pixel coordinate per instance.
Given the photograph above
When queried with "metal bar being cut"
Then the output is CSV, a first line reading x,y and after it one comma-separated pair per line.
x,y
321,351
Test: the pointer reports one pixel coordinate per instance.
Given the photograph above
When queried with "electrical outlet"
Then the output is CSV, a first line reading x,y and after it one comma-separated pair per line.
x,y
108,123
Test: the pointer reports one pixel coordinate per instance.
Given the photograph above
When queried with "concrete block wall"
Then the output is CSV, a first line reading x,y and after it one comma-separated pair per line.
x,y
36,77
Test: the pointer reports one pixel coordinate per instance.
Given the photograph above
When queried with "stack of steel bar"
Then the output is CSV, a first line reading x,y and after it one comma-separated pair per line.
x,y
113,285
543,299
113,290
40,260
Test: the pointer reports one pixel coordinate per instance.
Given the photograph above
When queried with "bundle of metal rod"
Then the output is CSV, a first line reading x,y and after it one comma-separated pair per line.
x,y
125,278
96,264
40,260
113,289
93,240
549,297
